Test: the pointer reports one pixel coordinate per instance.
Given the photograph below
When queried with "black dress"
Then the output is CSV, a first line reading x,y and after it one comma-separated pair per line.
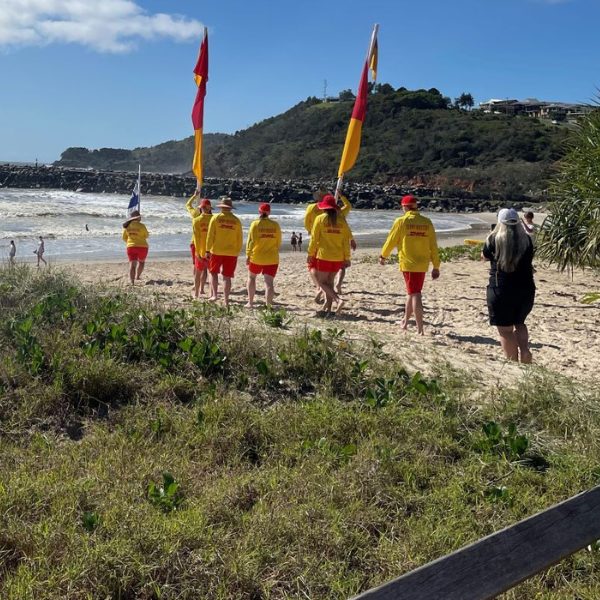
x,y
510,296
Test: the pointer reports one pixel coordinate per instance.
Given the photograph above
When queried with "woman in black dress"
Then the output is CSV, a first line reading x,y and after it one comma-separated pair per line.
x,y
511,289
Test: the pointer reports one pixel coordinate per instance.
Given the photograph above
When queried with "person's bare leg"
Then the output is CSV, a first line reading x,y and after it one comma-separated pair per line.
x,y
522,335
203,276
408,312
340,280
38,261
315,280
226,290
214,287
197,277
140,268
508,339
326,283
43,260
132,268
417,306
251,289
269,290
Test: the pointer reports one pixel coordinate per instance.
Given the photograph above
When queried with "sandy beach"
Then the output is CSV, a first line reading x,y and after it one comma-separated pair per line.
x,y
562,329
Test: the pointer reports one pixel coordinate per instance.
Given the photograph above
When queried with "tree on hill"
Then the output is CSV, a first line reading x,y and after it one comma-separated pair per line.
x,y
384,88
570,235
465,101
347,96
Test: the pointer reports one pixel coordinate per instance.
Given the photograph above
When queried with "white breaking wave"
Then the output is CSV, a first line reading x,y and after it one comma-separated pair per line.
x,y
62,217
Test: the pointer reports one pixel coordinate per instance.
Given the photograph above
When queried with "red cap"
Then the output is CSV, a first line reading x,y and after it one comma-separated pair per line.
x,y
328,202
408,200
265,207
205,202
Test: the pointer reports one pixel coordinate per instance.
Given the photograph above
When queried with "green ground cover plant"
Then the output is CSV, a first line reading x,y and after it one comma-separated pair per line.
x,y
159,453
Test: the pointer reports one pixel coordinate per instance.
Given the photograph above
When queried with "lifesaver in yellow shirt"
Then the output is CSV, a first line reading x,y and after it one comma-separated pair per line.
x,y
474,243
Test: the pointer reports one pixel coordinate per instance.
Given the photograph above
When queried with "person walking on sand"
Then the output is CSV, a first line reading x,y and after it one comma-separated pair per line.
x,y
329,249
39,251
135,235
299,241
293,241
200,233
511,288
12,252
312,212
223,244
413,235
262,254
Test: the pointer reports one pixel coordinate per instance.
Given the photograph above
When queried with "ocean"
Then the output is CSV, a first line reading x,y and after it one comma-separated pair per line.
x,y
61,218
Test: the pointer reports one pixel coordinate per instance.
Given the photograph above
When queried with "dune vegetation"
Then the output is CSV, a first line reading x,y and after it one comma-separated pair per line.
x,y
155,452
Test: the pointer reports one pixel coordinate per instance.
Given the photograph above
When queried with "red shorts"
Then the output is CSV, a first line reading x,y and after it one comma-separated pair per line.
x,y
200,264
264,269
136,254
193,249
414,282
328,266
228,264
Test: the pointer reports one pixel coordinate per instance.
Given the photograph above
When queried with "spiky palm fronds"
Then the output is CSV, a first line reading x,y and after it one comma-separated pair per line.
x,y
570,236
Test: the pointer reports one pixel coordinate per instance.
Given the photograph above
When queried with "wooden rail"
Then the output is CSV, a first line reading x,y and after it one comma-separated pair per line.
x,y
504,559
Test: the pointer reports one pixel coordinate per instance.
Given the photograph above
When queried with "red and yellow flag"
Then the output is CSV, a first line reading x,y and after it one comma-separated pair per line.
x,y
352,145
201,78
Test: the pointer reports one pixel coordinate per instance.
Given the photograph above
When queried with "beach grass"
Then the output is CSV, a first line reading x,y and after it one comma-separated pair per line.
x,y
152,452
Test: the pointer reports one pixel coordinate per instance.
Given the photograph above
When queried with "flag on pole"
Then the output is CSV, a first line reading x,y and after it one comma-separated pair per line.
x,y
200,77
134,202
373,63
352,145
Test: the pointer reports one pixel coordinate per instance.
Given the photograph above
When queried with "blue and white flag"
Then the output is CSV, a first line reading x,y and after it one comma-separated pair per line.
x,y
134,203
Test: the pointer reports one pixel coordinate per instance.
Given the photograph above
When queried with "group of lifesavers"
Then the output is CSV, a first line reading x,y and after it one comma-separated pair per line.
x,y
217,241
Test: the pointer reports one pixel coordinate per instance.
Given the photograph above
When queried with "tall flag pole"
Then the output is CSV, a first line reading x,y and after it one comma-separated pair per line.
x,y
134,202
201,78
352,145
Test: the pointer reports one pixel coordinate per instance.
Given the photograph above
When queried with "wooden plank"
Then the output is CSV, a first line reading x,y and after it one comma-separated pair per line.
x,y
500,561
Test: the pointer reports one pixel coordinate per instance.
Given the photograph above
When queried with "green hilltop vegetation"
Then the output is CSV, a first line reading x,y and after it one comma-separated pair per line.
x,y
160,453
407,134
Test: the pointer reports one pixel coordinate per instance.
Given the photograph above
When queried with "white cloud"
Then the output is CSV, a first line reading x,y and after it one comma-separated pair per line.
x,y
102,25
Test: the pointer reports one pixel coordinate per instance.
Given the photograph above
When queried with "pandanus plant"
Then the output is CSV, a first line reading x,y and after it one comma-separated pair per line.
x,y
570,235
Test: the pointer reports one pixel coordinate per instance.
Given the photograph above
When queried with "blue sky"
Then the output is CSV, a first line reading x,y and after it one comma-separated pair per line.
x,y
117,73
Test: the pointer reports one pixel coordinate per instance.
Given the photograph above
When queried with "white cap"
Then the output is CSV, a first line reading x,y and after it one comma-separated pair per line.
x,y
508,216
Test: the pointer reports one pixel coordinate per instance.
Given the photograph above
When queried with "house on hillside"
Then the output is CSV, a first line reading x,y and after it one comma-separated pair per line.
x,y
532,107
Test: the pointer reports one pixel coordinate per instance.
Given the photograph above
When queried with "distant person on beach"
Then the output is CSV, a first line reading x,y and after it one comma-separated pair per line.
x,y
39,252
529,225
413,235
293,241
135,235
329,250
511,289
312,212
262,254
86,227
299,241
12,252
223,244
200,233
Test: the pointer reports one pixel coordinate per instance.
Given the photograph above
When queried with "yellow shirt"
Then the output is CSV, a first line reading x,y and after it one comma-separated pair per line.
x,y
194,212
200,232
224,235
135,235
313,211
329,242
414,237
264,239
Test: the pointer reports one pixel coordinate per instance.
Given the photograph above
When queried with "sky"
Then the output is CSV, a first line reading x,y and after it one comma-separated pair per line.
x,y
118,73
